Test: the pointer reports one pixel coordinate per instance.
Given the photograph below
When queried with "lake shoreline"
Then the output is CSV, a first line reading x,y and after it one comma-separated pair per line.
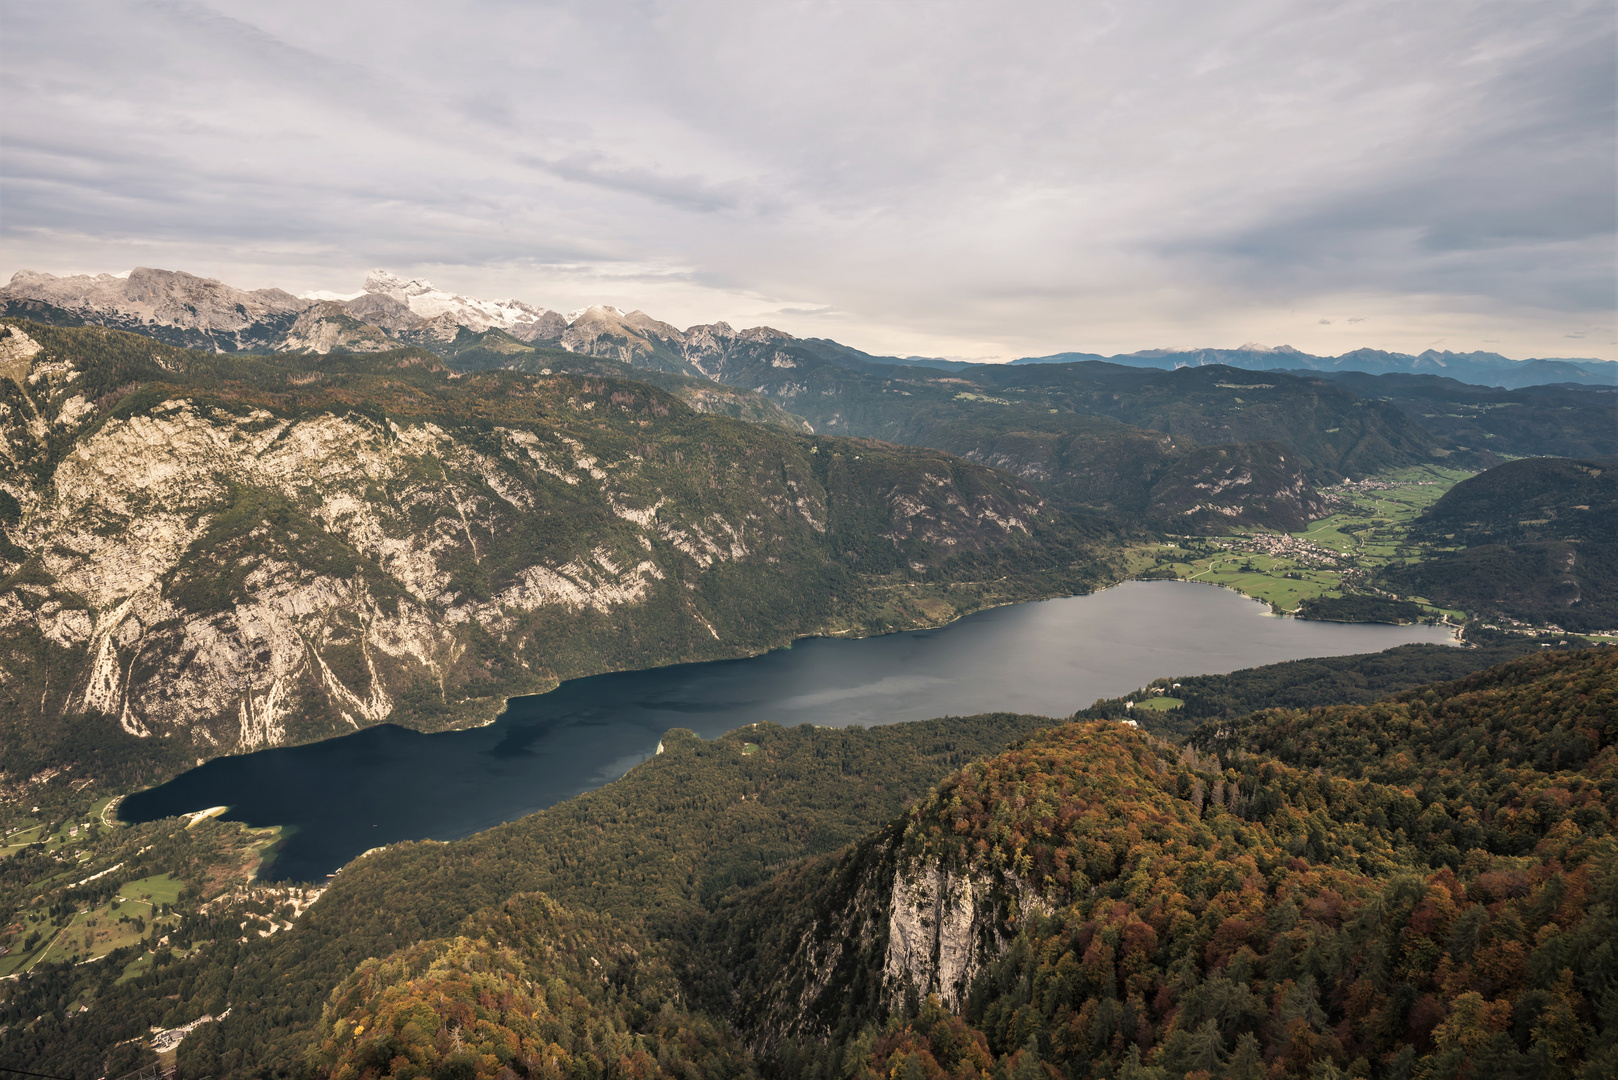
x,y
1049,657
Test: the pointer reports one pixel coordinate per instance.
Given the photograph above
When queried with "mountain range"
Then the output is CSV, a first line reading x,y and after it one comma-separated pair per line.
x,y
1480,368
206,553
1203,447
183,309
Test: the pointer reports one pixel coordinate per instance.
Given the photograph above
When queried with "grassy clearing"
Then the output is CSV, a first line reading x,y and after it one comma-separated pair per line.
x,y
124,920
157,890
19,835
148,880
1159,704
135,967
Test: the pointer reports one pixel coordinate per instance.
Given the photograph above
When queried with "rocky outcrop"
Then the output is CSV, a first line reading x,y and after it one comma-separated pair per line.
x,y
860,935
197,312
329,327
1207,488
235,565
166,297
944,926
170,305
383,311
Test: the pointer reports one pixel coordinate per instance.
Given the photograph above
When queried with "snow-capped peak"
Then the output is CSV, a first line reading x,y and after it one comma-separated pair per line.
x,y
423,299
327,294
389,284
574,316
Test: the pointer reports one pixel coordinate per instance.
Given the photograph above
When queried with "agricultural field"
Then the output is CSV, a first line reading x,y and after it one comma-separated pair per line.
x,y
1367,530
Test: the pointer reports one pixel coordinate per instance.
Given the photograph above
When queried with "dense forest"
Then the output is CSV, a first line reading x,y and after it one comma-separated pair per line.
x,y
1360,607
1419,886
649,849
1422,887
1356,679
1557,420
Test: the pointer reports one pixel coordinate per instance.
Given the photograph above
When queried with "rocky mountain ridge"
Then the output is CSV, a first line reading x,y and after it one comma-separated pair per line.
x,y
838,390
388,311
1192,445
218,554
389,308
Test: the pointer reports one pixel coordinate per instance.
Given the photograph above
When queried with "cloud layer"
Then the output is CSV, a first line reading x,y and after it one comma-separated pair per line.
x,y
952,179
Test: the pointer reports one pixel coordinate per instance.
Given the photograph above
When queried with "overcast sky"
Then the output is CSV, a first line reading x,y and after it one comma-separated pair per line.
x,y
969,180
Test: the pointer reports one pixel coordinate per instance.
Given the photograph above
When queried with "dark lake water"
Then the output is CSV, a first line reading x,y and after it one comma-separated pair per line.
x,y
344,796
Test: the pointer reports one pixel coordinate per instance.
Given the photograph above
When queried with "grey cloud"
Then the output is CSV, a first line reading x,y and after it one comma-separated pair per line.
x,y
963,179
1514,200
689,192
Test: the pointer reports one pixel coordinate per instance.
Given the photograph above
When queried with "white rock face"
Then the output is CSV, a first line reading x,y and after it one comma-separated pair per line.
x,y
17,351
196,566
328,326
926,928
166,297
427,302
129,513
943,927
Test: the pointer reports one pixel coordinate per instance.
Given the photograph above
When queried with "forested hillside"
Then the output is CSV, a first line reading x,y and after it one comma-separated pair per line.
x,y
1534,540
1356,679
1200,448
1533,421
1424,886
650,850
210,553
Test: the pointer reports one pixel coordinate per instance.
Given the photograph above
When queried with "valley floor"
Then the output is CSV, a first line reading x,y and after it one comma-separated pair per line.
x,y
1367,531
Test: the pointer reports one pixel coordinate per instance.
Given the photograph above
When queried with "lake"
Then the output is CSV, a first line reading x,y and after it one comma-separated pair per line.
x,y
341,797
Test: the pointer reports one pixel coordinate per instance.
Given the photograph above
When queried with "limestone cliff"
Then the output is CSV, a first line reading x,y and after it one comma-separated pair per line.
x,y
860,935
224,554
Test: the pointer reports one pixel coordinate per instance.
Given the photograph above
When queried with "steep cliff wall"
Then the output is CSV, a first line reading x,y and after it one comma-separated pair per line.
x,y
226,553
849,938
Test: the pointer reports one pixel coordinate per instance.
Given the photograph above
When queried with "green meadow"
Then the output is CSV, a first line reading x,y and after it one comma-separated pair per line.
x,y
1367,530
